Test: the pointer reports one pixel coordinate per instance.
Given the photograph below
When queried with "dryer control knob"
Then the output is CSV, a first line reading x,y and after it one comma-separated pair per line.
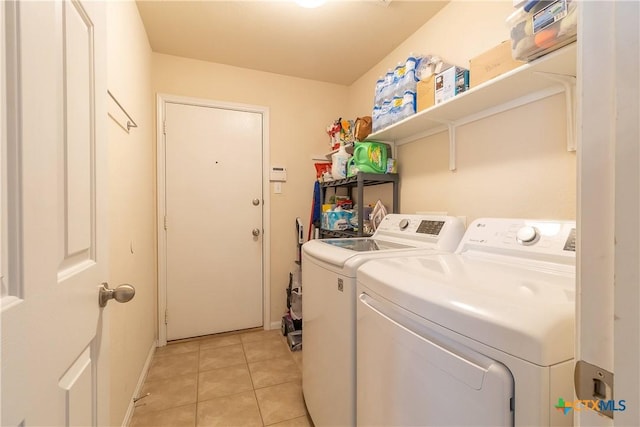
x,y
404,223
527,235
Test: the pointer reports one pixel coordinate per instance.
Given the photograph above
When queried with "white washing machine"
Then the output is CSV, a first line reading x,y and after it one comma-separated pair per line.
x,y
329,305
482,337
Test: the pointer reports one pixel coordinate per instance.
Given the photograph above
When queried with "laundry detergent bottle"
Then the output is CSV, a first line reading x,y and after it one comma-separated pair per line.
x,y
371,156
339,161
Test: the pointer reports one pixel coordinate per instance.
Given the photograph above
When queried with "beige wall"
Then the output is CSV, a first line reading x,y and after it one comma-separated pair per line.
x,y
506,167
511,164
132,226
299,112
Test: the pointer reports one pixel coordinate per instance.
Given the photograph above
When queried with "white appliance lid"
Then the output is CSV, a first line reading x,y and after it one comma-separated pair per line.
x,y
365,244
396,232
524,310
342,256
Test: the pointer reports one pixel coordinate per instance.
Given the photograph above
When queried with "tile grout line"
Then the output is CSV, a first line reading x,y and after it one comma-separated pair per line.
x,y
253,386
197,384
246,363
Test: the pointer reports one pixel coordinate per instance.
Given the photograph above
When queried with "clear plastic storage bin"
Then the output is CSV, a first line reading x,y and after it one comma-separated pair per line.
x,y
540,27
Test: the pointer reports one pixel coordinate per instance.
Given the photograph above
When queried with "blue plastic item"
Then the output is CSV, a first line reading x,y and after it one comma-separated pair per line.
x,y
529,5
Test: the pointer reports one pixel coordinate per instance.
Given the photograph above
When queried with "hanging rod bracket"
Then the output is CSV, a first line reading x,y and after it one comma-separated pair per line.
x,y
130,122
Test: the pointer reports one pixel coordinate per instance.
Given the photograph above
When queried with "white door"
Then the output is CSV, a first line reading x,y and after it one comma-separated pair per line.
x,y
53,371
608,204
213,219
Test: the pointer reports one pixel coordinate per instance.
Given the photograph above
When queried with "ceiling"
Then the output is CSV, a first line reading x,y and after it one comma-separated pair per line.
x,y
336,42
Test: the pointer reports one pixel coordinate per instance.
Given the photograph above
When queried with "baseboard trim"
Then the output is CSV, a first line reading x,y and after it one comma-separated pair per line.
x,y
276,325
138,389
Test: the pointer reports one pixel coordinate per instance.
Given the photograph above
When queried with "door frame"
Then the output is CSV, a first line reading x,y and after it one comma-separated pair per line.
x,y
3,144
10,181
607,295
163,99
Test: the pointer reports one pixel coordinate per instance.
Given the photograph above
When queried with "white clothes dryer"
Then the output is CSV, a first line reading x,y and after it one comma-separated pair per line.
x,y
329,304
482,337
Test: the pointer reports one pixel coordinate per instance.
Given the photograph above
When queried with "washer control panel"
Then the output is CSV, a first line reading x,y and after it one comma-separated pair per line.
x,y
442,232
503,235
412,224
430,227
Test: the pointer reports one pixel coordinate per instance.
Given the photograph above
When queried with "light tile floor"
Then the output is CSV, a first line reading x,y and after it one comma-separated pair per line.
x,y
238,379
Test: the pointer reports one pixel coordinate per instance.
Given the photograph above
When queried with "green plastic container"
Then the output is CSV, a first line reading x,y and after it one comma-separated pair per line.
x,y
371,156
351,168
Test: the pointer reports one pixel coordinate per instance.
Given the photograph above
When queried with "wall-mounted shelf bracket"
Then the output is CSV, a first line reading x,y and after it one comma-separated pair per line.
x,y
569,83
444,125
451,126
452,146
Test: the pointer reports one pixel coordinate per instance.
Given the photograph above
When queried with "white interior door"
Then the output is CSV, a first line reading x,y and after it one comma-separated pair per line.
x,y
213,221
52,367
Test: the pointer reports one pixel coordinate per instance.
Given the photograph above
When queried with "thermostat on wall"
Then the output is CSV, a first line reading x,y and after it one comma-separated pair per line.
x,y
278,174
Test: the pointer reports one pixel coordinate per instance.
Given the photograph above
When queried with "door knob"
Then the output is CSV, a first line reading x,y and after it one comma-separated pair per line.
x,y
256,202
122,293
256,232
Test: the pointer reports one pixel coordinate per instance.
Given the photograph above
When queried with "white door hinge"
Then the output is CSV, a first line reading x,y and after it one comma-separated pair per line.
x,y
165,222
164,127
166,317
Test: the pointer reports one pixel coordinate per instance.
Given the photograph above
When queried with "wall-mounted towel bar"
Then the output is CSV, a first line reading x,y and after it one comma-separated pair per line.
x,y
115,114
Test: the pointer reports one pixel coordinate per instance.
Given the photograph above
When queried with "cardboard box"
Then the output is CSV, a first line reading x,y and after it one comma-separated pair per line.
x,y
425,93
497,60
451,82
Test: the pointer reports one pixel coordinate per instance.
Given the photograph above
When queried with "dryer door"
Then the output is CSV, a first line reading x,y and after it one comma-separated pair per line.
x,y
409,375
